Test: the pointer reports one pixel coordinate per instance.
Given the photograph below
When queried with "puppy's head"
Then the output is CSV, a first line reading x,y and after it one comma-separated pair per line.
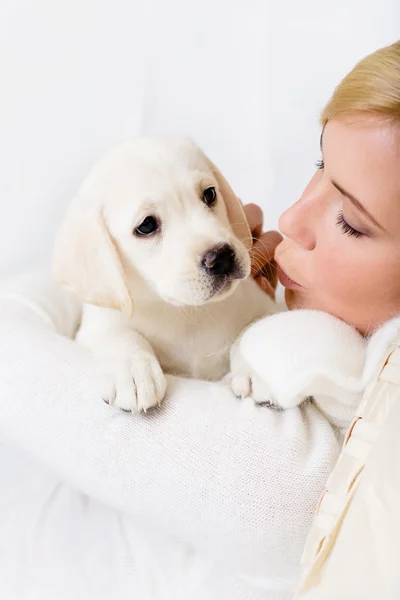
x,y
156,211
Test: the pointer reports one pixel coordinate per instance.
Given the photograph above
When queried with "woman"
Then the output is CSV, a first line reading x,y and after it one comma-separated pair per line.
x,y
210,498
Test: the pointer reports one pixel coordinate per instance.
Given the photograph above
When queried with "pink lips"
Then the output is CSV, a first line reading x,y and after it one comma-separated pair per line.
x,y
286,281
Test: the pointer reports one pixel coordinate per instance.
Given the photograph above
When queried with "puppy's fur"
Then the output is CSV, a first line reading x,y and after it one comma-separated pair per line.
x,y
157,303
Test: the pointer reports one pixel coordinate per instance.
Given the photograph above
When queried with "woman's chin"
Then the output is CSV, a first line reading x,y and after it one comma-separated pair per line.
x,y
294,299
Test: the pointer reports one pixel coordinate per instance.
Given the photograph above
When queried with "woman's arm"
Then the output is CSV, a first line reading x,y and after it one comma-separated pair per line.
x,y
238,482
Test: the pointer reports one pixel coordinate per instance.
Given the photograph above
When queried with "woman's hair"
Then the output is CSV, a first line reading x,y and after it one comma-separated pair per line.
x,y
372,87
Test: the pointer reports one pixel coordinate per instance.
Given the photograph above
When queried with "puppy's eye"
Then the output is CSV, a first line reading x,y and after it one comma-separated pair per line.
x,y
210,196
147,227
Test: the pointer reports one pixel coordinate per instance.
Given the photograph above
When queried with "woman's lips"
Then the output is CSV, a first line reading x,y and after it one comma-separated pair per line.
x,y
285,280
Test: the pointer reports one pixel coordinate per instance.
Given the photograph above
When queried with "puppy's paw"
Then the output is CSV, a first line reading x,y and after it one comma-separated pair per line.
x,y
245,382
249,384
136,385
241,385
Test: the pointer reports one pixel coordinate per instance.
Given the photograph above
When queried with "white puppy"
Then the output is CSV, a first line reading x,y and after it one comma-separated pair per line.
x,y
156,246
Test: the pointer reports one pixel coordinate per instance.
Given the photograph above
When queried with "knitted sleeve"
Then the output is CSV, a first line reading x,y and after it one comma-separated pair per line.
x,y
236,481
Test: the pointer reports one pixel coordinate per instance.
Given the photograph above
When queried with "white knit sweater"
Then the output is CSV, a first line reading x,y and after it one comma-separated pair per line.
x,y
209,498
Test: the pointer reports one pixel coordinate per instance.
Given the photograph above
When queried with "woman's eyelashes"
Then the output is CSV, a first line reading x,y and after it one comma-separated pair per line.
x,y
346,228
340,220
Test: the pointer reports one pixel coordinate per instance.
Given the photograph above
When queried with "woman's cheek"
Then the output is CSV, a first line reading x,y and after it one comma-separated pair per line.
x,y
339,267
334,273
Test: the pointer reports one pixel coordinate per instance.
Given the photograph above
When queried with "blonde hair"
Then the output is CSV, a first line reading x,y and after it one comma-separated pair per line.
x,y
372,88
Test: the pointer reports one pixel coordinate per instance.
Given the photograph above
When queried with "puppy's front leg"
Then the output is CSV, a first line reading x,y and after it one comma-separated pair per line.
x,y
130,376
133,379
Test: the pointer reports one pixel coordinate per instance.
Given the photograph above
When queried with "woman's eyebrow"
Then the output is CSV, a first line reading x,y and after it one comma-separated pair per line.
x,y
357,204
352,199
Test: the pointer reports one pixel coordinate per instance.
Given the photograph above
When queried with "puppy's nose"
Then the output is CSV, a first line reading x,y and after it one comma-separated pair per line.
x,y
219,260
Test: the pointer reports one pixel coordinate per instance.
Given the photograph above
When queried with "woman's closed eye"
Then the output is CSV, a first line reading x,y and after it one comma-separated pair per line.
x,y
341,222
346,228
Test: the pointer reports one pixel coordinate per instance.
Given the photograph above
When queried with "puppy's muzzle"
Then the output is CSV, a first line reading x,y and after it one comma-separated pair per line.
x,y
220,261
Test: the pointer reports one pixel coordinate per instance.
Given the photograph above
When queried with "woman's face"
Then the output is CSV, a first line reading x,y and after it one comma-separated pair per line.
x,y
342,244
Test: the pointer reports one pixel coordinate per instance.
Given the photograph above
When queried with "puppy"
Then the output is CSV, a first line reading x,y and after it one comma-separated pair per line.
x,y
156,245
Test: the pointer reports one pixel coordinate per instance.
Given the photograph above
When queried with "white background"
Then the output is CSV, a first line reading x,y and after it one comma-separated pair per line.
x,y
245,78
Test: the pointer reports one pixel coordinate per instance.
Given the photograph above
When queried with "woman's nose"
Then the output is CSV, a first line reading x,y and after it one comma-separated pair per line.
x,y
294,224
298,222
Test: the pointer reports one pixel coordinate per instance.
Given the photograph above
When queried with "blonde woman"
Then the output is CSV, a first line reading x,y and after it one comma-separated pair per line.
x,y
211,498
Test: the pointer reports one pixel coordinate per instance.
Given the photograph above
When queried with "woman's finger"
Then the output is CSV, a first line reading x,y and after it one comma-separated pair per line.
x,y
266,286
254,216
262,254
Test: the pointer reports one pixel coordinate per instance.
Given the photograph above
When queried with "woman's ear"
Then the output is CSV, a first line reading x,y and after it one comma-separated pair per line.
x,y
86,260
234,208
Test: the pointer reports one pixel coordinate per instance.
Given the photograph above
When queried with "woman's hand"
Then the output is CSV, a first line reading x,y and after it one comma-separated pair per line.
x,y
263,267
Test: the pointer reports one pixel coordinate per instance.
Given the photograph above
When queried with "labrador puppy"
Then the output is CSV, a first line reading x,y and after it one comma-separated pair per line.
x,y
156,245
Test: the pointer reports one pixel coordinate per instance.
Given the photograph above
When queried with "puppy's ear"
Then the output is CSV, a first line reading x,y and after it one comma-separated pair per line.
x,y
86,260
234,209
